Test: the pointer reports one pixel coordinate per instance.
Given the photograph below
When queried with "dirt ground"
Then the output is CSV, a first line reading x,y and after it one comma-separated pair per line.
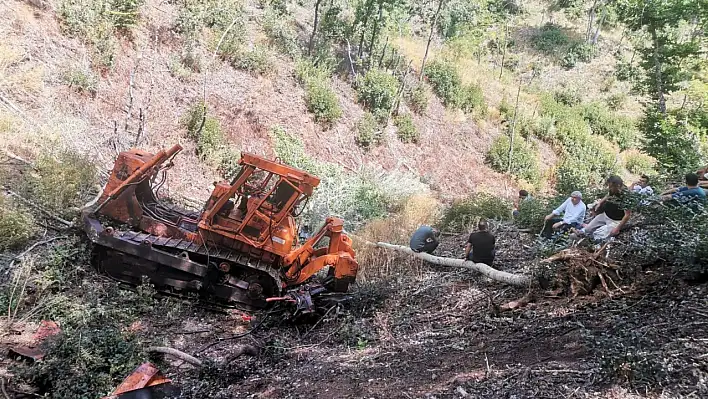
x,y
435,334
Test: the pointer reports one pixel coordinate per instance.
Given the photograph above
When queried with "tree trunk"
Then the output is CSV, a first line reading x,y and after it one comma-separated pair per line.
x,y
657,72
506,38
375,32
367,13
430,38
591,20
513,128
383,53
314,27
599,26
494,274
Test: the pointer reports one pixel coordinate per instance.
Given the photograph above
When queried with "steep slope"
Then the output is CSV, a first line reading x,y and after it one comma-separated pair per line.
x,y
105,118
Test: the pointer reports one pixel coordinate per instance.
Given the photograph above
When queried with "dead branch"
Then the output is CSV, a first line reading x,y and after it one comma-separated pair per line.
x,y
38,207
242,350
18,158
519,303
176,353
494,274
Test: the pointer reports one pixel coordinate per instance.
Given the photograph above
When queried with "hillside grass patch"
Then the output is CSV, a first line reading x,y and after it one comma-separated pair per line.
x,y
369,132
16,224
407,132
524,158
212,146
445,79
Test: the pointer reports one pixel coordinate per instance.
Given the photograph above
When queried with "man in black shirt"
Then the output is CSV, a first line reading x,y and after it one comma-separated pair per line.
x,y
614,215
480,245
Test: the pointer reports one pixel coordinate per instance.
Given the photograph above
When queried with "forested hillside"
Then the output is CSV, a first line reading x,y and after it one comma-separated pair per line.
x,y
410,112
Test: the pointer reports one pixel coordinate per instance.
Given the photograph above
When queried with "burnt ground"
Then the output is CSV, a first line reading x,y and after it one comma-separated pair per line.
x,y
436,334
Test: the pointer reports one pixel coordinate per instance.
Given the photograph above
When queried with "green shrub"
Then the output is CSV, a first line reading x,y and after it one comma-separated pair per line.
x,y
588,163
281,32
212,146
322,102
445,80
550,39
532,213
470,99
638,162
319,97
63,182
256,60
567,97
217,15
618,129
462,214
407,131
96,21
377,90
578,52
16,225
369,132
616,101
83,81
418,99
524,160
506,110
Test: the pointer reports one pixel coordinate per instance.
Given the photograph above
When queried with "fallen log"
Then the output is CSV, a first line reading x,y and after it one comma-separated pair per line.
x,y
494,274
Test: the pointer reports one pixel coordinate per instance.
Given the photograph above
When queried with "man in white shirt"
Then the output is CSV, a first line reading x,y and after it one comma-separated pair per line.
x,y
642,186
573,211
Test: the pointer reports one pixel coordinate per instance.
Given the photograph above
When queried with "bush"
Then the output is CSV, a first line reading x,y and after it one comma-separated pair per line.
x,y
618,129
369,132
550,39
463,214
281,33
524,161
616,101
567,97
470,99
83,81
256,60
638,162
16,225
418,99
445,80
377,90
407,131
671,142
532,213
578,52
319,97
96,21
212,146
587,164
323,103
63,182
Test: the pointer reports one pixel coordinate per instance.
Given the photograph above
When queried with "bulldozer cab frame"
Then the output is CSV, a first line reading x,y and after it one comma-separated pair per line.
x,y
266,193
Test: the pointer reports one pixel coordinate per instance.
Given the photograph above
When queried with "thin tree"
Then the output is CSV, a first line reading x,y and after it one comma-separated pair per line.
x,y
513,126
430,38
314,27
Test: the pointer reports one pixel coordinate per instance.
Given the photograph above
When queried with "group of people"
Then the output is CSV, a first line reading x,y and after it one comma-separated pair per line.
x,y
608,215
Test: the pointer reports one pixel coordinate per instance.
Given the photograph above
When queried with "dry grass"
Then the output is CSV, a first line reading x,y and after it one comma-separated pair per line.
x,y
375,263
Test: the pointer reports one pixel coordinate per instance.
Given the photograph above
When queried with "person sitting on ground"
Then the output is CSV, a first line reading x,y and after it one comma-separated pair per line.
x,y
642,186
614,214
425,239
690,192
523,196
480,245
702,173
573,211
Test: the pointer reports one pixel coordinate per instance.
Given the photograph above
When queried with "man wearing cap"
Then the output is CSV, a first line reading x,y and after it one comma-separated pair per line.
x,y
573,211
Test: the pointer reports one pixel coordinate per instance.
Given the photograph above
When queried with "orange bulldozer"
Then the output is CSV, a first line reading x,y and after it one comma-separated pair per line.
x,y
241,249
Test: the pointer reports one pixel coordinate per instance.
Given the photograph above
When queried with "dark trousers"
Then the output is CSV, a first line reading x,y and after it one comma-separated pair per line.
x,y
548,227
